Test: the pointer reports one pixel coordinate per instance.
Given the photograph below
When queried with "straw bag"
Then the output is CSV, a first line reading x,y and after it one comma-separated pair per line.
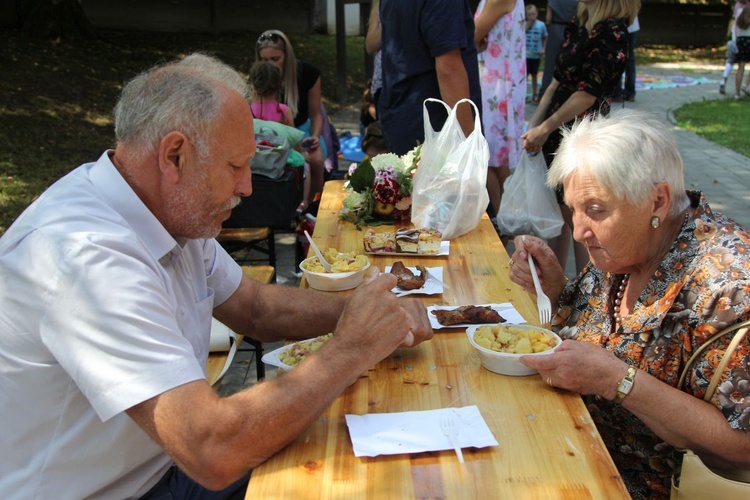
x,y
697,481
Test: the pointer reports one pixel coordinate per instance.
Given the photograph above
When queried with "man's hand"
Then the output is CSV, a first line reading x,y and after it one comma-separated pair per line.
x,y
375,322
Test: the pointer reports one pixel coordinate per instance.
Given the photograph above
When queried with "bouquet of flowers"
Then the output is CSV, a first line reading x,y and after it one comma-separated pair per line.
x,y
380,189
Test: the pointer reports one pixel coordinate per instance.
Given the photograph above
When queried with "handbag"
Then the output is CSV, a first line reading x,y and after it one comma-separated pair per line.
x,y
696,480
449,191
271,154
528,206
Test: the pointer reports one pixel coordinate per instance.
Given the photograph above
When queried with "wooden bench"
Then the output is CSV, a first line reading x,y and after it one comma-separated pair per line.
x,y
217,360
260,239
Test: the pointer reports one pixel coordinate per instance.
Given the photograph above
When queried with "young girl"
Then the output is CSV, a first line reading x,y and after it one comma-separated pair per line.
x,y
742,24
266,79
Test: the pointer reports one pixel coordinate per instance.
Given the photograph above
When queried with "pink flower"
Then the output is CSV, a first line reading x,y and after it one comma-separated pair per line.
x,y
403,203
495,49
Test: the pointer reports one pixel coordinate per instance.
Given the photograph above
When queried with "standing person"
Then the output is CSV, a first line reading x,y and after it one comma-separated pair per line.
x,y
627,94
502,73
732,45
587,74
428,50
265,77
536,44
559,15
110,280
743,51
302,93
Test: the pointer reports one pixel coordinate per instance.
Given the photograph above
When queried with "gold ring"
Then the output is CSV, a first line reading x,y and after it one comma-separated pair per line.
x,y
510,263
549,381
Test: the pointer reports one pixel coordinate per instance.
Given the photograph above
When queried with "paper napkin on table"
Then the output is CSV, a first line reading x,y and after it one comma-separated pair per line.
x,y
415,431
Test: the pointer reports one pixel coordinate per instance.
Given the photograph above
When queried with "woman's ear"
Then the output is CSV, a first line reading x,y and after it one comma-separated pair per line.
x,y
172,149
662,200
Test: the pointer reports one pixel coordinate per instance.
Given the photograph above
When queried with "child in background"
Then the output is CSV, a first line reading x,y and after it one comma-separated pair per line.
x,y
742,24
536,43
732,45
265,77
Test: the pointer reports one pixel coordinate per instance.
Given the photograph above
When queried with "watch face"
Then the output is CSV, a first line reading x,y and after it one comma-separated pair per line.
x,y
625,386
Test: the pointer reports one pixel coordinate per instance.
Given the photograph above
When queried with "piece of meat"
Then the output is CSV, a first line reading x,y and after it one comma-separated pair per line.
x,y
407,280
470,315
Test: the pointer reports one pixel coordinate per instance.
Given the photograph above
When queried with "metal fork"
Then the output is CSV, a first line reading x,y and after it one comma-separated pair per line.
x,y
543,303
449,427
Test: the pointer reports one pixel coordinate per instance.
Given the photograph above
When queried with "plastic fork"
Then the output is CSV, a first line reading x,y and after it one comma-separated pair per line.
x,y
543,303
323,261
449,427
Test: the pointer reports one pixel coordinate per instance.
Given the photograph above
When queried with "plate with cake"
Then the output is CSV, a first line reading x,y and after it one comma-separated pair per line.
x,y
468,315
406,241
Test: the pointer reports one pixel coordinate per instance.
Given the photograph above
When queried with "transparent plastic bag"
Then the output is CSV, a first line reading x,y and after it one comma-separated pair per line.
x,y
528,206
449,187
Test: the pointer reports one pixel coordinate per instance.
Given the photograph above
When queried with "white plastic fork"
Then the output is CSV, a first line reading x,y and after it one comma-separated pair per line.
x,y
449,427
543,303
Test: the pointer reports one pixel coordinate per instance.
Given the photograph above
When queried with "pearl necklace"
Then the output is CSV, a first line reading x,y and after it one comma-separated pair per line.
x,y
618,298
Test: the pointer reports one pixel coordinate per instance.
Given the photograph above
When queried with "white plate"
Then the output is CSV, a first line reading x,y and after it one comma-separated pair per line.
x,y
506,310
430,286
445,249
272,357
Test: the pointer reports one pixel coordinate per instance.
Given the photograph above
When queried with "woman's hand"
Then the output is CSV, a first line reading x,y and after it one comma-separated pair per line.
x,y
551,274
534,139
580,367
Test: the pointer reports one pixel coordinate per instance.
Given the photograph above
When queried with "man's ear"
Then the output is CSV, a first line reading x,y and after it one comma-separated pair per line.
x,y
172,150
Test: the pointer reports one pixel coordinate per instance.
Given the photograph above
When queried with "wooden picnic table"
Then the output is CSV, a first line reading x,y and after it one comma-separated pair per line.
x,y
548,447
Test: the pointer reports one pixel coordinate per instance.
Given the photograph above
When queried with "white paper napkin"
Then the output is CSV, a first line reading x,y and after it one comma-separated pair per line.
x,y
431,287
415,432
506,310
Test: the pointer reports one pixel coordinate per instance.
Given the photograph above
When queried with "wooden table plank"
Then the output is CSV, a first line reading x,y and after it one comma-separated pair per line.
x,y
548,444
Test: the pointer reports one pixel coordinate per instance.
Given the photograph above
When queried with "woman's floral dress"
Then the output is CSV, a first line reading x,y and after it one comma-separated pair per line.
x,y
502,75
591,62
701,286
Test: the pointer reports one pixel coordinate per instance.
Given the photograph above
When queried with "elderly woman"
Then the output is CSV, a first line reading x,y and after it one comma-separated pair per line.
x,y
665,273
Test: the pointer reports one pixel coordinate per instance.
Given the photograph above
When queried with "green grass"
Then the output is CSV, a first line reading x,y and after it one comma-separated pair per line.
x,y
57,96
724,121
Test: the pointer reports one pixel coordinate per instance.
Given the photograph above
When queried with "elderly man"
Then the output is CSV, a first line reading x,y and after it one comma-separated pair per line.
x,y
110,280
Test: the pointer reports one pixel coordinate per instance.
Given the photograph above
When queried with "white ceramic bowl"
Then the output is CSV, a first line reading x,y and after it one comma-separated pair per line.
x,y
333,282
506,363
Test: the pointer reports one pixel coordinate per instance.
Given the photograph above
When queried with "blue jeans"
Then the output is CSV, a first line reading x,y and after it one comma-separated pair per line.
x,y
176,485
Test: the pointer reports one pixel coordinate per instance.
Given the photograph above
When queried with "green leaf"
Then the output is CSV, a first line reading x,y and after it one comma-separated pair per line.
x,y
363,177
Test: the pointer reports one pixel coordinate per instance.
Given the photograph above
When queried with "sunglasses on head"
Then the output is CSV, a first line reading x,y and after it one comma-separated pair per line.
x,y
273,37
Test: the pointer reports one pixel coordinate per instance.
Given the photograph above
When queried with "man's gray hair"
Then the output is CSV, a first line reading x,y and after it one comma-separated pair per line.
x,y
627,152
182,96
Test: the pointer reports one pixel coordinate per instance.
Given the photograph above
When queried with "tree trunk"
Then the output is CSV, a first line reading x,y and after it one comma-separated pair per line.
x,y
54,19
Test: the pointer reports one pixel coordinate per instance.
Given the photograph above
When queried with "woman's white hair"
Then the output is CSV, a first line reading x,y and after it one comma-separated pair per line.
x,y
184,96
627,152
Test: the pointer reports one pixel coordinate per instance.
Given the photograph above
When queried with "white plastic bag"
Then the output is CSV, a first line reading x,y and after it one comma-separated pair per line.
x,y
528,206
449,188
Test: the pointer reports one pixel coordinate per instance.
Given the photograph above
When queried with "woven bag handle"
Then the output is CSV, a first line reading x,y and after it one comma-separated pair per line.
x,y
743,328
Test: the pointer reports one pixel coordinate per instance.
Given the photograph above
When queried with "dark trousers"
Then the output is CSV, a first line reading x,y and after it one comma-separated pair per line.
x,y
176,485
629,90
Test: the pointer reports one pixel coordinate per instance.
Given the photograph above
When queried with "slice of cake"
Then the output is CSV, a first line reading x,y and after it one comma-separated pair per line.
x,y
407,240
384,242
429,241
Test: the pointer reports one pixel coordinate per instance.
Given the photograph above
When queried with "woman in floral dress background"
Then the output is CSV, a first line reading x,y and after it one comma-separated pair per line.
x,y
500,36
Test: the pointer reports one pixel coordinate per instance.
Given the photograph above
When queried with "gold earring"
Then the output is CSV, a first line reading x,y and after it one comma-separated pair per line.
x,y
655,221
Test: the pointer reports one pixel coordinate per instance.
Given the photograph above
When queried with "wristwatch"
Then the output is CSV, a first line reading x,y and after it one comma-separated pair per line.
x,y
626,385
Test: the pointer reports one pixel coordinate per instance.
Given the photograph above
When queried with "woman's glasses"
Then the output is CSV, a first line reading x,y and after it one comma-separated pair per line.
x,y
272,37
